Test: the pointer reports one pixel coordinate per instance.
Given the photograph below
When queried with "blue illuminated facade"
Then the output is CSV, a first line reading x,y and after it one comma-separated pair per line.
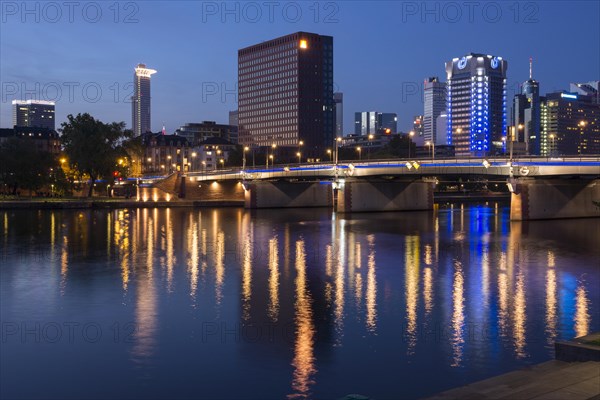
x,y
476,104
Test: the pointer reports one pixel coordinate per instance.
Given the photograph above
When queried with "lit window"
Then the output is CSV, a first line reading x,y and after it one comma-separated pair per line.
x,y
303,44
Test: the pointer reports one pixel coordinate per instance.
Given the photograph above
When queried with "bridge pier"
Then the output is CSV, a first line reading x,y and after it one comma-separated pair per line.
x,y
384,195
284,194
533,199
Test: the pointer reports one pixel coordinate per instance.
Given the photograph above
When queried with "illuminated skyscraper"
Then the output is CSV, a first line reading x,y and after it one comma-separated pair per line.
x,y
33,113
526,113
286,93
140,102
435,104
476,104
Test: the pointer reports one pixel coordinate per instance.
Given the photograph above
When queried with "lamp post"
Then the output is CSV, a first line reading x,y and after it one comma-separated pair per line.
x,y
370,137
432,145
330,155
246,148
359,152
410,136
300,144
299,155
193,160
337,142
273,146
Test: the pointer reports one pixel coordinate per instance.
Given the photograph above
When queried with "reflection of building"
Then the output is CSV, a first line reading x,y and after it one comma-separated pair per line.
x,y
476,104
435,104
198,132
374,122
43,139
338,100
140,102
526,113
571,124
33,113
286,93
165,153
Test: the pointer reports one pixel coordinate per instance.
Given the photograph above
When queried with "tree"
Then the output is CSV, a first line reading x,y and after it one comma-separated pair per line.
x,y
93,146
23,166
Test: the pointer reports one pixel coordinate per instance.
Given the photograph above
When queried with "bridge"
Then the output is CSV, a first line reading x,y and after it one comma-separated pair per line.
x,y
541,188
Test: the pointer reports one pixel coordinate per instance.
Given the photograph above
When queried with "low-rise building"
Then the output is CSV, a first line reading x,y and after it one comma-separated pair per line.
x,y
165,154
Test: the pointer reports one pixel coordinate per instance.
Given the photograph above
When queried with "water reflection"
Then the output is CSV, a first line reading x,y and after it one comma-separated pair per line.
x,y
342,289
304,359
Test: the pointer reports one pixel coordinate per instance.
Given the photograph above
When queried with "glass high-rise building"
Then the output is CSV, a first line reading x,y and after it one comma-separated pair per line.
x,y
476,104
141,101
374,123
526,113
33,113
435,104
338,100
286,93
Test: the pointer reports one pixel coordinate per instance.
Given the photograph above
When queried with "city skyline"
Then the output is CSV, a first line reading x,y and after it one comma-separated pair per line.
x,y
207,91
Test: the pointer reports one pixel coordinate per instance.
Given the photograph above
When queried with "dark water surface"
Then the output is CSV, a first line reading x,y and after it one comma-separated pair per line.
x,y
228,303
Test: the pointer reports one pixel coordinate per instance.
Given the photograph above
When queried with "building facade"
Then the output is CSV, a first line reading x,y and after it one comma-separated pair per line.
x,y
141,100
196,132
34,114
233,118
164,154
434,105
338,100
476,104
286,93
570,124
375,123
43,139
591,88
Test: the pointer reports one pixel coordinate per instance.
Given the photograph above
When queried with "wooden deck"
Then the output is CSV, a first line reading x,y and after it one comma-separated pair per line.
x,y
550,380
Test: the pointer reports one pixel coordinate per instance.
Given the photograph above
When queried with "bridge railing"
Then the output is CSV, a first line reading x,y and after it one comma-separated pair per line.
x,y
324,169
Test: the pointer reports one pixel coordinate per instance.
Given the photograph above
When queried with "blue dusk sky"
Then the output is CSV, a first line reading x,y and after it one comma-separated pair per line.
x,y
83,55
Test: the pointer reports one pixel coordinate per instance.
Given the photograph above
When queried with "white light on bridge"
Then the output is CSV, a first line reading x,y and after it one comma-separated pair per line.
x,y
486,164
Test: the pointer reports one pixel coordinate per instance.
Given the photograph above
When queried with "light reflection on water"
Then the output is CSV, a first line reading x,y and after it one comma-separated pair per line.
x,y
299,303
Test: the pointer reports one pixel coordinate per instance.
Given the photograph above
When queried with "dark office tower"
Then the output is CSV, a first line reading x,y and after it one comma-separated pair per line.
x,y
286,93
526,113
476,104
33,113
571,124
375,123
435,104
338,100
140,102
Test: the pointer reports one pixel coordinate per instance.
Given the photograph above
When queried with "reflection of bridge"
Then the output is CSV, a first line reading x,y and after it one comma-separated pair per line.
x,y
541,188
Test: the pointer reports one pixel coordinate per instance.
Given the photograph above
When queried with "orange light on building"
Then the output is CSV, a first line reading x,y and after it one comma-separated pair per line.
x,y
303,44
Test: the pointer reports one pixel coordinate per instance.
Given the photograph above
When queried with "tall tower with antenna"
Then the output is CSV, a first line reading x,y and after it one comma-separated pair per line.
x,y
526,114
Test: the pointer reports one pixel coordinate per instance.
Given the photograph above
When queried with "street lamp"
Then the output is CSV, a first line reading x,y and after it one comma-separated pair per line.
x,y
410,136
337,142
552,137
194,154
359,152
272,161
222,161
432,145
330,155
246,148
299,155
370,137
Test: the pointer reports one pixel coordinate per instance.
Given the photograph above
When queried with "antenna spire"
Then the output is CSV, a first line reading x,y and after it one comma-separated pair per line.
x,y
530,67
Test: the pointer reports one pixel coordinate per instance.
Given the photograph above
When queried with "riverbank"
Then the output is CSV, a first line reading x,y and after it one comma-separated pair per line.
x,y
114,203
